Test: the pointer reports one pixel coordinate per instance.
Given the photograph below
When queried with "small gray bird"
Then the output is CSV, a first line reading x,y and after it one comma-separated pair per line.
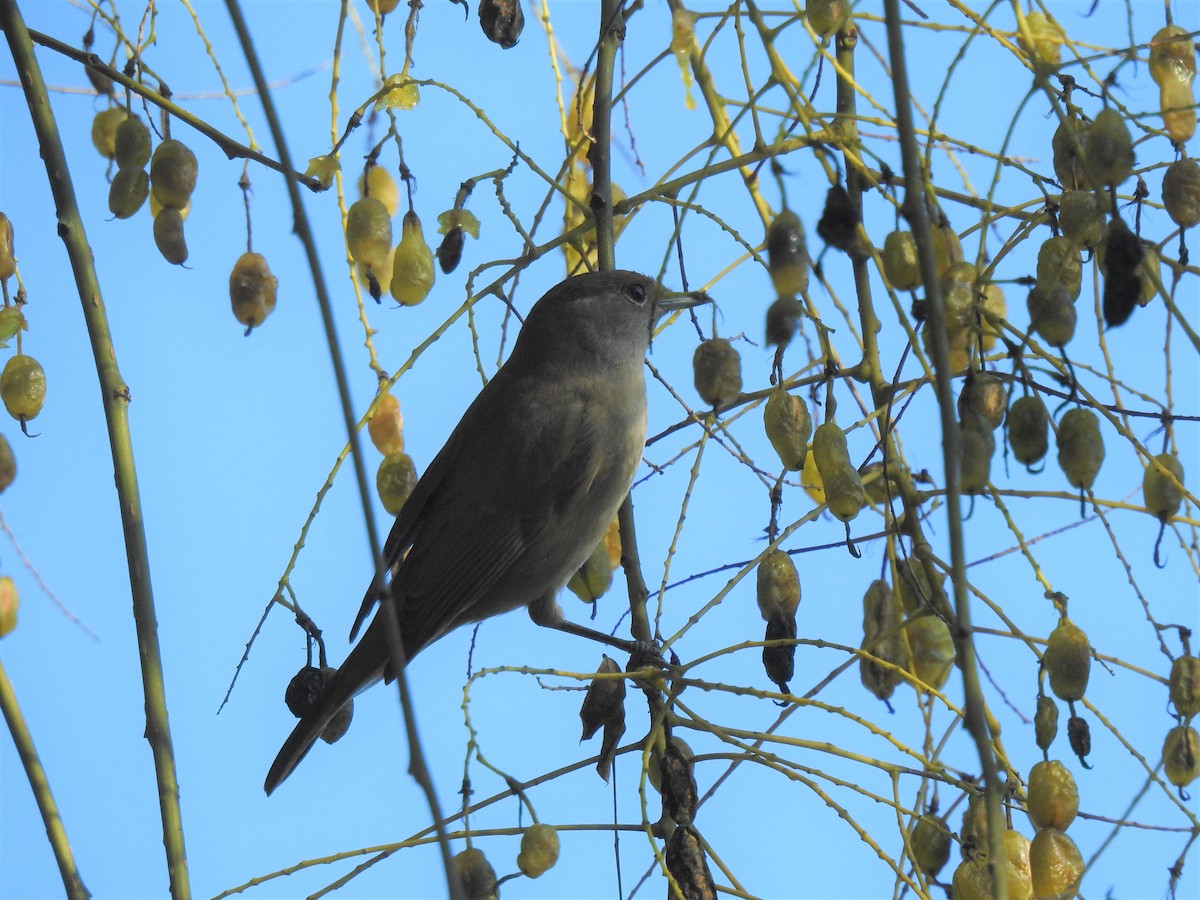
x,y
523,490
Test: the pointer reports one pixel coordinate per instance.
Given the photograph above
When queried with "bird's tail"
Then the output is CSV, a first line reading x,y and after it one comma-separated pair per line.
x,y
362,668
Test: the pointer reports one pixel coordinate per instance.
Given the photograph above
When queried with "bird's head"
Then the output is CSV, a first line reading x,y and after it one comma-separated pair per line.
x,y
605,316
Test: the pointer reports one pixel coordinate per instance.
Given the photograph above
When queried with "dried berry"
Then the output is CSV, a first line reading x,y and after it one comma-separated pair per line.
x,y
1079,736
168,236
1184,686
1080,448
8,259
1045,722
983,395
128,192
594,577
1120,257
1068,660
973,879
1181,755
838,225
783,315
788,426
368,232
827,17
23,387
502,21
104,130
8,464
932,648
1029,429
131,144
252,290
1173,66
1055,864
1181,192
475,873
778,586
717,372
173,173
900,263
1108,151
1059,266
978,447
386,426
412,265
1053,796
843,485
787,254
1052,315
10,604
1046,37
1081,217
1068,145
930,844
1160,494
394,481
377,182
883,640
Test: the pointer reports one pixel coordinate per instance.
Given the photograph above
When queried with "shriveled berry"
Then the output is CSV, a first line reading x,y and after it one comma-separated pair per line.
x,y
1068,660
932,648
23,387
168,236
252,290
1029,429
900,263
717,372
131,145
1081,218
10,603
1045,722
787,254
368,231
475,873
1161,496
128,192
539,850
173,172
1181,755
386,426
395,480
788,426
8,464
930,844
8,259
1068,145
1181,192
843,485
778,586
1184,686
983,395
1108,152
1053,795
1055,864
104,130
1080,447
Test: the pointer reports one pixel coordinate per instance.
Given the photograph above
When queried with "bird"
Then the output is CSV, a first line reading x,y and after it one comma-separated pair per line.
x,y
523,490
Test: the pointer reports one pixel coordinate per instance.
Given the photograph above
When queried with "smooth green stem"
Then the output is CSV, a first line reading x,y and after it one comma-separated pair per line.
x,y
56,833
975,716
114,395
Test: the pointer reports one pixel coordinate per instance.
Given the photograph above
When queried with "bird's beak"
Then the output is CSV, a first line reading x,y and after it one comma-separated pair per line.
x,y
670,301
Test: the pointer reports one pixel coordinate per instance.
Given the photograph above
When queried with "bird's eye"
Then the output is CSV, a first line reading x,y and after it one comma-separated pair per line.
x,y
637,293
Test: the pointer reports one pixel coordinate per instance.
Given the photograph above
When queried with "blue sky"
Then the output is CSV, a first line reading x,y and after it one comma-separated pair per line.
x,y
234,436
